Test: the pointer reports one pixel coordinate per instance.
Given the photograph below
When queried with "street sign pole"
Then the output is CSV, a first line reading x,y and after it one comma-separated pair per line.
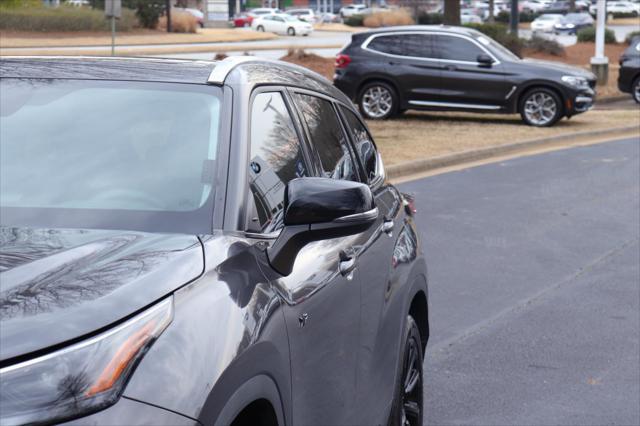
x,y
113,11
600,63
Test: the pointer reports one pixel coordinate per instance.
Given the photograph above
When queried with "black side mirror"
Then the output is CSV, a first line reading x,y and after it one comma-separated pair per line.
x,y
484,60
318,209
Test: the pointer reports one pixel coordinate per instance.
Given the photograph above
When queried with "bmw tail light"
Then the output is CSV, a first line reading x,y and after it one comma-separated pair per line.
x,y
342,60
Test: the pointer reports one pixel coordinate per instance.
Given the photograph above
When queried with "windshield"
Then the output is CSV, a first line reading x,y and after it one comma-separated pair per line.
x,y
290,18
550,17
497,49
104,154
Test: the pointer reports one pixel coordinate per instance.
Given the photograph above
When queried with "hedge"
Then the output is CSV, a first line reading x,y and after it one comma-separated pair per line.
x,y
63,18
586,35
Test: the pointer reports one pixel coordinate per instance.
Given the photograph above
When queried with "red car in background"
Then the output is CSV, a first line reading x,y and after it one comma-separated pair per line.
x,y
243,20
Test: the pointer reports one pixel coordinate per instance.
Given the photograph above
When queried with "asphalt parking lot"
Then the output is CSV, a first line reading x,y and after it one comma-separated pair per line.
x,y
534,288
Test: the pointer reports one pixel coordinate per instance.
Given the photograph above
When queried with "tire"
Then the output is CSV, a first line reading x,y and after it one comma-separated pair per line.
x,y
408,407
291,31
541,107
260,28
635,89
378,100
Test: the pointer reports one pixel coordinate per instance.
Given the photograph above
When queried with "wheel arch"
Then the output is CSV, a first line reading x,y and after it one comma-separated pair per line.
x,y
260,390
419,311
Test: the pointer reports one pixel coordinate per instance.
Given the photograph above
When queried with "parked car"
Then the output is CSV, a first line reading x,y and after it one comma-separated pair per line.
x,y
618,7
196,13
629,75
352,9
260,11
242,20
546,23
571,23
534,6
390,70
282,24
194,267
306,15
329,18
565,7
469,16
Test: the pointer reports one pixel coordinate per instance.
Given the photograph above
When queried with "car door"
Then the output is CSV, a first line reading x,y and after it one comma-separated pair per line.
x,y
411,63
278,25
323,293
464,82
380,320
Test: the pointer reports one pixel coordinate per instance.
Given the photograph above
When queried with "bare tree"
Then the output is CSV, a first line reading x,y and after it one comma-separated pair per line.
x,y
452,12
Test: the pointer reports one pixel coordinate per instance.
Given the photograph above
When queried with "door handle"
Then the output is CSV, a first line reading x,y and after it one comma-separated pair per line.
x,y
450,67
348,262
387,226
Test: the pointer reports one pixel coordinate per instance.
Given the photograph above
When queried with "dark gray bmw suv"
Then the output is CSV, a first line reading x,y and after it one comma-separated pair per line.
x,y
190,242
390,70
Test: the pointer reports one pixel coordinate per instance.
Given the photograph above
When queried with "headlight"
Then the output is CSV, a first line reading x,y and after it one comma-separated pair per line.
x,y
82,378
579,82
570,26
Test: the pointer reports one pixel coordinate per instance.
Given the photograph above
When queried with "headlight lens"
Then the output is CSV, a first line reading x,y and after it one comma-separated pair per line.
x,y
579,82
81,378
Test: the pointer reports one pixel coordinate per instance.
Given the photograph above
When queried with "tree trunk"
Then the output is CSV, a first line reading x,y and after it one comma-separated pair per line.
x,y
492,17
452,12
572,5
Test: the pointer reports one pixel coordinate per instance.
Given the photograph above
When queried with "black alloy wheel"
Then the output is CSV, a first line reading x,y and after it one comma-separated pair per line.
x,y
408,408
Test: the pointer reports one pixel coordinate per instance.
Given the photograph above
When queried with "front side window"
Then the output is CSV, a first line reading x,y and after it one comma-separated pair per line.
x,y
275,158
108,154
327,137
365,149
458,49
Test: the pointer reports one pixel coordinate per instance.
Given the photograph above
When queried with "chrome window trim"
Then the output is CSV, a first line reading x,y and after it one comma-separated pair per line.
x,y
455,105
365,46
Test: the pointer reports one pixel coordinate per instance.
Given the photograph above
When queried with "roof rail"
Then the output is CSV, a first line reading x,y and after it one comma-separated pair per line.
x,y
223,68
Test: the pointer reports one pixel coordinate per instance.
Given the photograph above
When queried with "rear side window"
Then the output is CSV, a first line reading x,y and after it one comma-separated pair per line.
x,y
457,49
390,44
412,45
276,158
327,137
365,149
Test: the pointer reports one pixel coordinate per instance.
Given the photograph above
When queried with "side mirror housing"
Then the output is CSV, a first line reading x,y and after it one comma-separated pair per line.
x,y
318,209
484,60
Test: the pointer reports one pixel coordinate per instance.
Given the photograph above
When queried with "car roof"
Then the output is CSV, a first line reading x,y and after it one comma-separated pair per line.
x,y
426,28
245,70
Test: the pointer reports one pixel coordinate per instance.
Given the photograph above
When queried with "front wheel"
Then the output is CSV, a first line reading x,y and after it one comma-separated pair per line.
x,y
291,31
540,107
378,101
260,28
408,405
635,90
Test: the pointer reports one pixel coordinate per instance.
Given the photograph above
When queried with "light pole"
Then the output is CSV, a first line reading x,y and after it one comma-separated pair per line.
x,y
600,63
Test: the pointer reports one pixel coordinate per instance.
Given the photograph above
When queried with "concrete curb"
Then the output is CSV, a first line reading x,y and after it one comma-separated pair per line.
x,y
396,171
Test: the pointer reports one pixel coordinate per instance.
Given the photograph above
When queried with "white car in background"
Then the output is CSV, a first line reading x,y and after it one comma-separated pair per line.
x,y
614,7
282,23
546,23
306,15
469,16
260,11
353,9
534,6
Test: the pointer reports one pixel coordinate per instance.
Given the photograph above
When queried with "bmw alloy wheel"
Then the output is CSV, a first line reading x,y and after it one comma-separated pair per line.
x,y
377,101
540,108
411,410
636,90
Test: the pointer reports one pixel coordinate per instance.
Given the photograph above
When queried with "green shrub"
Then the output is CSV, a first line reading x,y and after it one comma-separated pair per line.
x,y
525,16
623,15
20,3
63,18
586,35
544,45
354,21
425,18
631,35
